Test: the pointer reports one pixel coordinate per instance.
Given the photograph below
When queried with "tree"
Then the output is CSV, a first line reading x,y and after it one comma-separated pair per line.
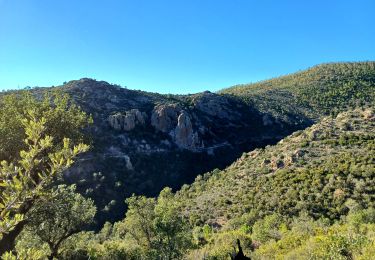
x,y
139,220
43,155
63,119
60,215
157,227
173,235
267,228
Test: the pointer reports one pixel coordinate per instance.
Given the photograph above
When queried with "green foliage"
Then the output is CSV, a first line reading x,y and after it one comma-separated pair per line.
x,y
267,228
117,250
139,220
62,119
222,245
43,157
25,254
152,229
173,236
297,238
339,241
23,181
58,216
323,89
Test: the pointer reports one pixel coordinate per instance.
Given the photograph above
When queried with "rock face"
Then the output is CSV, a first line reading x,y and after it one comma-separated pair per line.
x,y
177,123
183,135
169,119
141,117
129,164
128,120
214,105
164,117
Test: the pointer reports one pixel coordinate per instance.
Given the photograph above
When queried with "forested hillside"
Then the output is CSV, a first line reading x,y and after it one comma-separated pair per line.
x,y
283,198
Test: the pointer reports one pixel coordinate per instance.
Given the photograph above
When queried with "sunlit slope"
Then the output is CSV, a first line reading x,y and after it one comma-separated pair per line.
x,y
318,170
317,91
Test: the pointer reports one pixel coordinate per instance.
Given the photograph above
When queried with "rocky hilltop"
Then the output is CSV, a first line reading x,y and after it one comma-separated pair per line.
x,y
143,141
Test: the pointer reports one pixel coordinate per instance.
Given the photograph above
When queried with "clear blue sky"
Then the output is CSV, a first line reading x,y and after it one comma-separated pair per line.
x,y
177,46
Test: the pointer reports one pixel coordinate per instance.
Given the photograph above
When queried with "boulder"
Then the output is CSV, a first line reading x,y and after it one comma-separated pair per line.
x,y
277,164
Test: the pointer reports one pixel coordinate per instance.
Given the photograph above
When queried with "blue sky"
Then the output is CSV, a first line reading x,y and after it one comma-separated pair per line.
x,y
177,46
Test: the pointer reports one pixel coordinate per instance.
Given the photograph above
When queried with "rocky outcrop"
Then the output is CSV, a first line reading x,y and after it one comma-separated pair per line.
x,y
128,120
177,123
140,117
184,135
128,163
215,105
164,117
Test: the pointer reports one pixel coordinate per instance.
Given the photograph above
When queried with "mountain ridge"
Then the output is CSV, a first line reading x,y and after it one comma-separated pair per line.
x,y
192,134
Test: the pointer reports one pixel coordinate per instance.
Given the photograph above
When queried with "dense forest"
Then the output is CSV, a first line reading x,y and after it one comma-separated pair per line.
x,y
309,196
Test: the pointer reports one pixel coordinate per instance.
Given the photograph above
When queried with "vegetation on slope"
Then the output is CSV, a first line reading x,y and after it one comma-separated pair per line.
x,y
225,124
273,110
318,171
314,92
311,196
300,199
301,237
